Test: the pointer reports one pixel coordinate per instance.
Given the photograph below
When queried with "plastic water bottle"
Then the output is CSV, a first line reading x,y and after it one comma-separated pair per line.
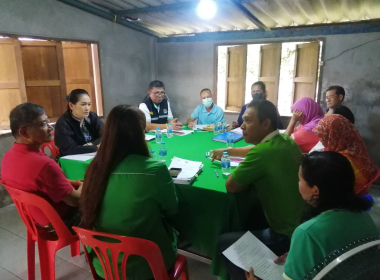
x,y
219,127
153,154
163,152
158,135
230,139
170,130
226,164
216,128
222,126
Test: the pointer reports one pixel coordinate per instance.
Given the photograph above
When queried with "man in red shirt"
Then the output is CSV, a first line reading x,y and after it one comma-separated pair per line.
x,y
26,168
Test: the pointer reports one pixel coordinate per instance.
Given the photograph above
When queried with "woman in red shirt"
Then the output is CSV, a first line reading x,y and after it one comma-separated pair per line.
x,y
308,113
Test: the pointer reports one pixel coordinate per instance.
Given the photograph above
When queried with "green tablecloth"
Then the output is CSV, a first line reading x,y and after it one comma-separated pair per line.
x,y
206,210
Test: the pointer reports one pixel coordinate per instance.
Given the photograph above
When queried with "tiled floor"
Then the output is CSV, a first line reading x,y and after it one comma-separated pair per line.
x,y
13,255
13,251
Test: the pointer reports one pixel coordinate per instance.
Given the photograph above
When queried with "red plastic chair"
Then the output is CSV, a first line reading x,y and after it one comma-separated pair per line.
x,y
48,244
128,246
52,147
366,189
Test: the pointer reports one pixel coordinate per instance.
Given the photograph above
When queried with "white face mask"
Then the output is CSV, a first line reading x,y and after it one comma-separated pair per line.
x,y
207,102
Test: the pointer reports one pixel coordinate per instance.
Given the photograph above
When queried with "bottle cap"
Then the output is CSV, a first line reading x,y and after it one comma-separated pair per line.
x,y
225,153
162,143
152,152
169,124
158,128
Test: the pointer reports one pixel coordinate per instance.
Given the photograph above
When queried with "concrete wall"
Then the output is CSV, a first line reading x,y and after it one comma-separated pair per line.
x,y
127,57
185,68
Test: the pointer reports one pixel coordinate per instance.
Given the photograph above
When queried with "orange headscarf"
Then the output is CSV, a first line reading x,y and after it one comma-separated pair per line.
x,y
338,134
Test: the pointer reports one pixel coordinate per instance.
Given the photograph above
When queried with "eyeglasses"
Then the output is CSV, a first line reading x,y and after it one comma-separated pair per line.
x,y
254,91
159,93
329,97
44,122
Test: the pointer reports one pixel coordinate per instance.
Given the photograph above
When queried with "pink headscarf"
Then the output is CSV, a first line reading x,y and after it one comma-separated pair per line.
x,y
312,111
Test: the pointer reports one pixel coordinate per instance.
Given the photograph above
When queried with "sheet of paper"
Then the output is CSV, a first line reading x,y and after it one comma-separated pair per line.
x,y
189,168
282,130
200,126
237,130
234,161
81,157
249,251
182,132
149,137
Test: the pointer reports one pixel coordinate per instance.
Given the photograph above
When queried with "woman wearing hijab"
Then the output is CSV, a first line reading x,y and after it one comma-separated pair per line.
x,y
308,113
338,134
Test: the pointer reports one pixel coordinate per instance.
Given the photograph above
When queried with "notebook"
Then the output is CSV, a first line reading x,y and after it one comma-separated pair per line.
x,y
223,137
190,170
149,137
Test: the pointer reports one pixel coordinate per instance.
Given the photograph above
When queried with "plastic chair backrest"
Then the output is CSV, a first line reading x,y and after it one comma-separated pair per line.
x,y
356,261
126,246
52,147
366,189
23,200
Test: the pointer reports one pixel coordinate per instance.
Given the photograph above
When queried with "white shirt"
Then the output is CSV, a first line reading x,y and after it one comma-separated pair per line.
x,y
270,136
146,111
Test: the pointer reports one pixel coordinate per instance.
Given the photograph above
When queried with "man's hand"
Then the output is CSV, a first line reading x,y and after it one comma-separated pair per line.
x,y
235,124
298,116
250,275
190,125
176,124
217,154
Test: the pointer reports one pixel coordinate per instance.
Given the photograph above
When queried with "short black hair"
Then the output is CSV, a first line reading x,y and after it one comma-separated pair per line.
x,y
261,84
157,84
332,173
343,111
24,114
265,110
338,90
74,96
205,89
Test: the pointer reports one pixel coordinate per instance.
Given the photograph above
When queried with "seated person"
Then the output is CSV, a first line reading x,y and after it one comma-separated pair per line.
x,y
208,113
334,96
40,174
156,109
336,216
308,113
271,169
335,110
258,91
338,134
78,130
343,111
129,193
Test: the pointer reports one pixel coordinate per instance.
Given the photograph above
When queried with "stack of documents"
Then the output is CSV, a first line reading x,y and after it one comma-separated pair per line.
x,y
81,157
176,132
249,251
237,130
190,170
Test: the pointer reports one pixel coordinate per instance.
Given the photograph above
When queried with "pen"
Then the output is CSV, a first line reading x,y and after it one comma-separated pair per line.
x,y
216,174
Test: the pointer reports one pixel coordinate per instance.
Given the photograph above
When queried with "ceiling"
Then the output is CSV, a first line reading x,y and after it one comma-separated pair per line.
x,y
179,18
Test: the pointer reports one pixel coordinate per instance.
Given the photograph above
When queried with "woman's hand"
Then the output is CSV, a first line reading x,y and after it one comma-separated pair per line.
x,y
217,154
281,259
297,116
250,275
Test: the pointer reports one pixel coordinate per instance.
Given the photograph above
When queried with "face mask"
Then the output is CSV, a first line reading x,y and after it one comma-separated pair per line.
x,y
258,96
207,102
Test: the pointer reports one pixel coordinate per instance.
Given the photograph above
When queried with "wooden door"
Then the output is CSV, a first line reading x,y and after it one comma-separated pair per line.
x,y
269,70
45,76
305,71
78,63
236,75
12,86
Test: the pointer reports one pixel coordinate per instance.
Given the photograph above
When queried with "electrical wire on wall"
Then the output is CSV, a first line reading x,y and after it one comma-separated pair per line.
x,y
351,49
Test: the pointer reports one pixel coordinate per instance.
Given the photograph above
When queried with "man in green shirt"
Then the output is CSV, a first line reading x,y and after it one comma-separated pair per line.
x,y
271,169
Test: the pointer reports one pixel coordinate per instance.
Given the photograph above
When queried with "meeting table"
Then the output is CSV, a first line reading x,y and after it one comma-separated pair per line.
x,y
206,210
